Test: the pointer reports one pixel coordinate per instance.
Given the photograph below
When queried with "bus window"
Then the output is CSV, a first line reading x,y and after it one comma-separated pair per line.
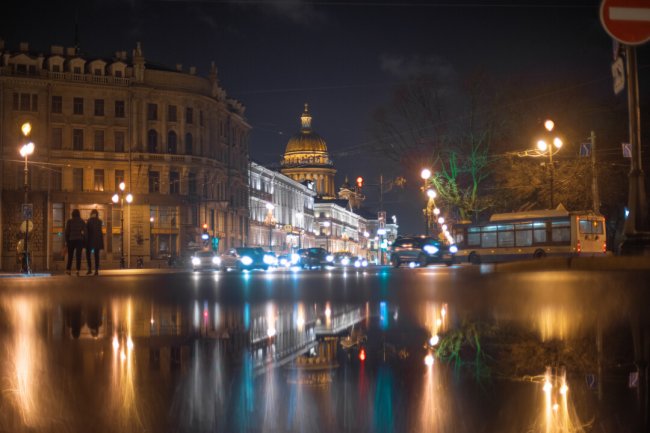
x,y
506,238
560,231
489,237
591,227
539,232
524,238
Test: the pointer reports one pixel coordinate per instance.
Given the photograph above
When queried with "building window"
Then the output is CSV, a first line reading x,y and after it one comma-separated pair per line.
x,y
77,179
99,140
56,68
99,180
25,102
174,182
57,138
188,144
189,115
120,111
57,104
171,113
152,111
171,142
77,139
76,70
154,181
201,117
191,183
152,141
99,107
97,71
78,106
119,178
119,141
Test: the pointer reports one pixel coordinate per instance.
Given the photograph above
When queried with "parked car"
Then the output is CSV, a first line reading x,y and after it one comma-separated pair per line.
x,y
205,260
246,258
421,250
315,257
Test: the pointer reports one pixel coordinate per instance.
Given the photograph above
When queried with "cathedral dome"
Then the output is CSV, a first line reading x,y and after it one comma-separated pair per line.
x,y
306,143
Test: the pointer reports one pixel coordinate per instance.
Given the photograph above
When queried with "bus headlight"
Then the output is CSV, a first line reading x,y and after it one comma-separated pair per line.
x,y
453,249
246,261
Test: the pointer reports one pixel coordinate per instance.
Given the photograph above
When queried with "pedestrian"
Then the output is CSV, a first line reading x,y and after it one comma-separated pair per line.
x,y
75,232
94,240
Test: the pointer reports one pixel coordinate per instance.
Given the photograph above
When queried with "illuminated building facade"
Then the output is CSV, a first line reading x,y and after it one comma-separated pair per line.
x,y
306,159
281,211
176,140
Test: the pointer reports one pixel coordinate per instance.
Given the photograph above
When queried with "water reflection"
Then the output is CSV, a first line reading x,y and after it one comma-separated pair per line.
x,y
384,365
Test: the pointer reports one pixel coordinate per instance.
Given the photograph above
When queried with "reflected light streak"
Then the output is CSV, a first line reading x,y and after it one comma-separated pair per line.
x,y
559,415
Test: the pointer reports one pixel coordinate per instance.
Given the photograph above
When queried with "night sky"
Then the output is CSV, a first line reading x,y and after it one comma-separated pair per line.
x,y
343,57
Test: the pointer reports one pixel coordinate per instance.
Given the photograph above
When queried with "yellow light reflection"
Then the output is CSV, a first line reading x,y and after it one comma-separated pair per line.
x,y
555,323
559,413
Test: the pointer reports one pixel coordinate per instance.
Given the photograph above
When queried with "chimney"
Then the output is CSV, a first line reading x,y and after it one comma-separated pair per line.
x,y
179,67
70,51
192,70
56,50
23,46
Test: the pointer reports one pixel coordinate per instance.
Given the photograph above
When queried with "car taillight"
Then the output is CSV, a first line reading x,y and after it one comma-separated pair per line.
x,y
604,247
579,248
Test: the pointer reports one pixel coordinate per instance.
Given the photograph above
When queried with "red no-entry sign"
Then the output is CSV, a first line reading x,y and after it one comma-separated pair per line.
x,y
627,21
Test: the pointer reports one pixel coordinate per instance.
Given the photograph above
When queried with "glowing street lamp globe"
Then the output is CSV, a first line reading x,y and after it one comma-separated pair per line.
x,y
425,173
115,198
542,146
431,193
557,142
549,125
129,198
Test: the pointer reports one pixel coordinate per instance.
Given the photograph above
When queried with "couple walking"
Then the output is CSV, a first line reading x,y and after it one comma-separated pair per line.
x,y
79,235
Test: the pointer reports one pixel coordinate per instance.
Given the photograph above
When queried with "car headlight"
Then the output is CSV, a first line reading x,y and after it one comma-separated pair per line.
x,y
295,258
216,260
329,258
246,261
196,261
453,249
430,249
269,259
284,262
364,263
345,261
357,263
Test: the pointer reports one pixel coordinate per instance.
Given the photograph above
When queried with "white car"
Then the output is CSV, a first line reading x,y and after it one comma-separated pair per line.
x,y
205,260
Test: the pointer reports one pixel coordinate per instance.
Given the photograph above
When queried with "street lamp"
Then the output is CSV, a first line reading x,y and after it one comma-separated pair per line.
x,y
327,225
300,222
270,221
121,196
26,150
545,147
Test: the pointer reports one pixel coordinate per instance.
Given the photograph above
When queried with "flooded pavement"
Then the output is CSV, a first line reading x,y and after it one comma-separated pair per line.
x,y
436,349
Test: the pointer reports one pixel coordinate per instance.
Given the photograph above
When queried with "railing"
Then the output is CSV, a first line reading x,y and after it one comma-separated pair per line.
x,y
69,76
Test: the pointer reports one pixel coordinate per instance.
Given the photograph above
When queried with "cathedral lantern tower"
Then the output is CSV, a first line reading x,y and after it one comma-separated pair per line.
x,y
306,159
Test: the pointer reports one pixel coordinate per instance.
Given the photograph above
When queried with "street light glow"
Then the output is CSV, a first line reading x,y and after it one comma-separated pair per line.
x,y
431,193
115,198
428,360
129,198
425,173
542,146
436,211
269,206
122,186
27,149
26,128
441,220
549,125
557,142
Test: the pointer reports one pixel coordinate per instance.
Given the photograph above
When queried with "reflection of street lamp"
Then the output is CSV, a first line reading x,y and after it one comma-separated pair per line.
x,y
300,222
121,196
270,221
26,150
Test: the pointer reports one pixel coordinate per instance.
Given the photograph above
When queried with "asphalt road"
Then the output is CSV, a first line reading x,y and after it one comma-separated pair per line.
x,y
323,351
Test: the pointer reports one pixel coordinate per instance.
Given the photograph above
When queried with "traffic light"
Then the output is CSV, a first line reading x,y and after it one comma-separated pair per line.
x,y
359,182
205,236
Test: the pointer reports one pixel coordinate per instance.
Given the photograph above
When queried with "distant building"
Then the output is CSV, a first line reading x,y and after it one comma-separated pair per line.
x,y
306,159
175,139
281,211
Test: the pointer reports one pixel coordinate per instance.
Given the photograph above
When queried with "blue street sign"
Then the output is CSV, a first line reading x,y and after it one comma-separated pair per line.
x,y
627,150
633,380
28,211
591,380
585,149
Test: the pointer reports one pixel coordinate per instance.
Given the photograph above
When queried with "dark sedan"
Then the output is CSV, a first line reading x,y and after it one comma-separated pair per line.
x,y
421,251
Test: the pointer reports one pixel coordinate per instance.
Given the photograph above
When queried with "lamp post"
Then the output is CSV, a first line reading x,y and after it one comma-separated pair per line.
x,y
121,196
544,147
26,150
327,225
425,174
270,221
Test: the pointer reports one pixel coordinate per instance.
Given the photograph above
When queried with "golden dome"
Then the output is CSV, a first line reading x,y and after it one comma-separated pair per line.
x,y
306,141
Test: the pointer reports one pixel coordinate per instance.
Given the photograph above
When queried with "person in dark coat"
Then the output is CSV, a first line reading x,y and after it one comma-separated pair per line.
x,y
75,234
94,240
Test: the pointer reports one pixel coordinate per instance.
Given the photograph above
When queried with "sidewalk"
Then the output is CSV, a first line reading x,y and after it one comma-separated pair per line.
x,y
107,272
608,263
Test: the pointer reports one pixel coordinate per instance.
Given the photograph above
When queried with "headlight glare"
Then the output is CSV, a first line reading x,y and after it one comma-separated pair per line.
x,y
431,249
246,261
453,249
196,261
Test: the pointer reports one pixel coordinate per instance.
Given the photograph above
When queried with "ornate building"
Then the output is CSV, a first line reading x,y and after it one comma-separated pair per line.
x,y
174,138
281,211
306,159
